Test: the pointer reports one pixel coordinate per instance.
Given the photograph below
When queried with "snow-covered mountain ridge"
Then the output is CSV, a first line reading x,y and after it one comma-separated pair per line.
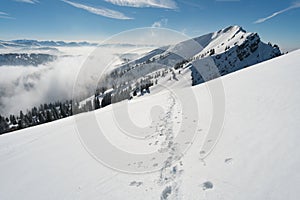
x,y
231,49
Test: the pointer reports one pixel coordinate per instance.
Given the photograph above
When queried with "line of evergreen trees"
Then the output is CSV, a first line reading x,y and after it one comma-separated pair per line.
x,y
43,114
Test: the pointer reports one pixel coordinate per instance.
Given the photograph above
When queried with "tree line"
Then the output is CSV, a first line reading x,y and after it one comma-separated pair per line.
x,y
35,116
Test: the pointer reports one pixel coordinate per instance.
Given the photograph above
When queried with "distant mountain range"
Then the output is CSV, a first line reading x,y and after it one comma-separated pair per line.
x,y
36,43
49,43
34,52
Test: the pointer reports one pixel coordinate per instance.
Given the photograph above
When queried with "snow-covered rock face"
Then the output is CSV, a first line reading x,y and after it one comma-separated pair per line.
x,y
231,49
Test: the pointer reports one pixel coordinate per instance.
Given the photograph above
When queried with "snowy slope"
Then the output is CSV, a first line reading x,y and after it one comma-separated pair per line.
x,y
257,156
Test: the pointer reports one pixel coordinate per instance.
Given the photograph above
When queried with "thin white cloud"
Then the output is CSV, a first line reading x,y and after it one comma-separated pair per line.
x,y
4,15
28,1
99,11
160,23
169,4
293,6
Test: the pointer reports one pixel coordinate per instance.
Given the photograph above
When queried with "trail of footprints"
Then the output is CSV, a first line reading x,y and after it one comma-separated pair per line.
x,y
170,173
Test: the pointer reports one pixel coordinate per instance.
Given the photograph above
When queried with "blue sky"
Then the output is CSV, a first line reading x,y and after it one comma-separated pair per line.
x,y
94,20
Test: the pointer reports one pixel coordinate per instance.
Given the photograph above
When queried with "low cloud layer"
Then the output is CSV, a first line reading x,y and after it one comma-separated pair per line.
x,y
22,87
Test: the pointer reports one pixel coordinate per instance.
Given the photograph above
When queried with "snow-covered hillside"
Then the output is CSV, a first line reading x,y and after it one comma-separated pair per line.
x,y
256,156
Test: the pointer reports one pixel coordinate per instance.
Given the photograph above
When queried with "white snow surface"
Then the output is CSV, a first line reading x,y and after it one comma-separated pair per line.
x,y
256,157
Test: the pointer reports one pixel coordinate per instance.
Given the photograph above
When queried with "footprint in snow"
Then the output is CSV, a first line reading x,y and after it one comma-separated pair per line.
x,y
135,183
166,193
207,185
228,160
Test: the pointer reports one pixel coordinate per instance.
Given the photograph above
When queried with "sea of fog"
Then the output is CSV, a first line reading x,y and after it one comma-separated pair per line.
x,y
22,87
